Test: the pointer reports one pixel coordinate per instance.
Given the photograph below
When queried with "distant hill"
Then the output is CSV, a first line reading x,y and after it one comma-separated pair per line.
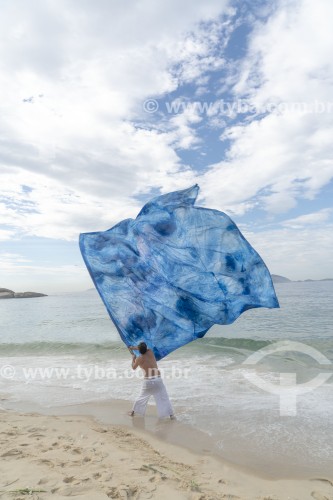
x,y
305,281
5,293
279,279
282,279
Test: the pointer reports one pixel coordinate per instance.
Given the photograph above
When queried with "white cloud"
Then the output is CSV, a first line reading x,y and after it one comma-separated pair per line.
x,y
297,254
73,78
21,275
185,136
315,218
285,154
51,210
6,234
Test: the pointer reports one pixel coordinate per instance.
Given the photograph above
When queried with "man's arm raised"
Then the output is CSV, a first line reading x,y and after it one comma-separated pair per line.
x,y
135,362
133,347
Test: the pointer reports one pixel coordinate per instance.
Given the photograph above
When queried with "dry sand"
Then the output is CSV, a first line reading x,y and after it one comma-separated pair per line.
x,y
57,457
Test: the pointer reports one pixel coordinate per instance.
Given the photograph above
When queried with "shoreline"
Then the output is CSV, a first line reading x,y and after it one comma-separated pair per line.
x,y
76,456
129,462
175,432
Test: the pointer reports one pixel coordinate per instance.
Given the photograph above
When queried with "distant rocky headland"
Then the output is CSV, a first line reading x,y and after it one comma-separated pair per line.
x,y
282,279
9,294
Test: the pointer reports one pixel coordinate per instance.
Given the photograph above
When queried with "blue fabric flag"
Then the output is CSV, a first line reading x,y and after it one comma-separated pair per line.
x,y
167,276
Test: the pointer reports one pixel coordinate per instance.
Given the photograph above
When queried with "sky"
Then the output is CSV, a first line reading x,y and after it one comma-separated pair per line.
x,y
107,104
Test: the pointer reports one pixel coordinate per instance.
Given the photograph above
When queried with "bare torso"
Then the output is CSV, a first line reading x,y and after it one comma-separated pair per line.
x,y
148,364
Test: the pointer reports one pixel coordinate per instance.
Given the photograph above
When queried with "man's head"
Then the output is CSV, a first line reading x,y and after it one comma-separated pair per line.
x,y
142,347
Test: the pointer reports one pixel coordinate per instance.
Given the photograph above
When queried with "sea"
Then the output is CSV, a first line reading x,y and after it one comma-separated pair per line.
x,y
260,389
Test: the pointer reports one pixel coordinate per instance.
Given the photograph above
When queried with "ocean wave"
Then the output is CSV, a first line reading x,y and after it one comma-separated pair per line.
x,y
208,347
45,348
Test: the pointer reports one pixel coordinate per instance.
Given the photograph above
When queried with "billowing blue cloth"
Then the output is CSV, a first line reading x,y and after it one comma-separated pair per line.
x,y
167,276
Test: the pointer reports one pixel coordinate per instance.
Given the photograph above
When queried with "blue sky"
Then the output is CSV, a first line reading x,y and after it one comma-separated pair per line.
x,y
104,107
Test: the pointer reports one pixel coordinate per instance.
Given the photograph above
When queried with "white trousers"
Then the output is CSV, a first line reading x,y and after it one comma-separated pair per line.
x,y
153,386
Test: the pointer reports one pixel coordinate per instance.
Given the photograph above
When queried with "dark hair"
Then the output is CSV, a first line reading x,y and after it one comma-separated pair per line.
x,y
142,347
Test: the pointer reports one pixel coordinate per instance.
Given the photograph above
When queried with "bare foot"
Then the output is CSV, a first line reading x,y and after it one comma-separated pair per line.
x,y
130,413
172,417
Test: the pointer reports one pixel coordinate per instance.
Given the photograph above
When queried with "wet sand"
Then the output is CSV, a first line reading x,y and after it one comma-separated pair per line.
x,y
58,455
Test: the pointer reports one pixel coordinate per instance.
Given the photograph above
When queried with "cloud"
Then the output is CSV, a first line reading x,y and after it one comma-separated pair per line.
x,y
53,210
313,219
73,81
6,234
21,275
66,108
305,253
281,153
79,153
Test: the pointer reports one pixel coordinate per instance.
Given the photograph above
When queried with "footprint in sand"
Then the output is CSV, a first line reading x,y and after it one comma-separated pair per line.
x,y
77,451
103,477
13,453
51,483
326,484
323,480
235,497
128,492
318,496
36,429
44,461
10,433
36,435
69,479
102,430
72,491
113,493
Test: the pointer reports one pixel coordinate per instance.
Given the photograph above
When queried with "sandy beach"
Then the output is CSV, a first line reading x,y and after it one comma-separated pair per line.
x,y
45,456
